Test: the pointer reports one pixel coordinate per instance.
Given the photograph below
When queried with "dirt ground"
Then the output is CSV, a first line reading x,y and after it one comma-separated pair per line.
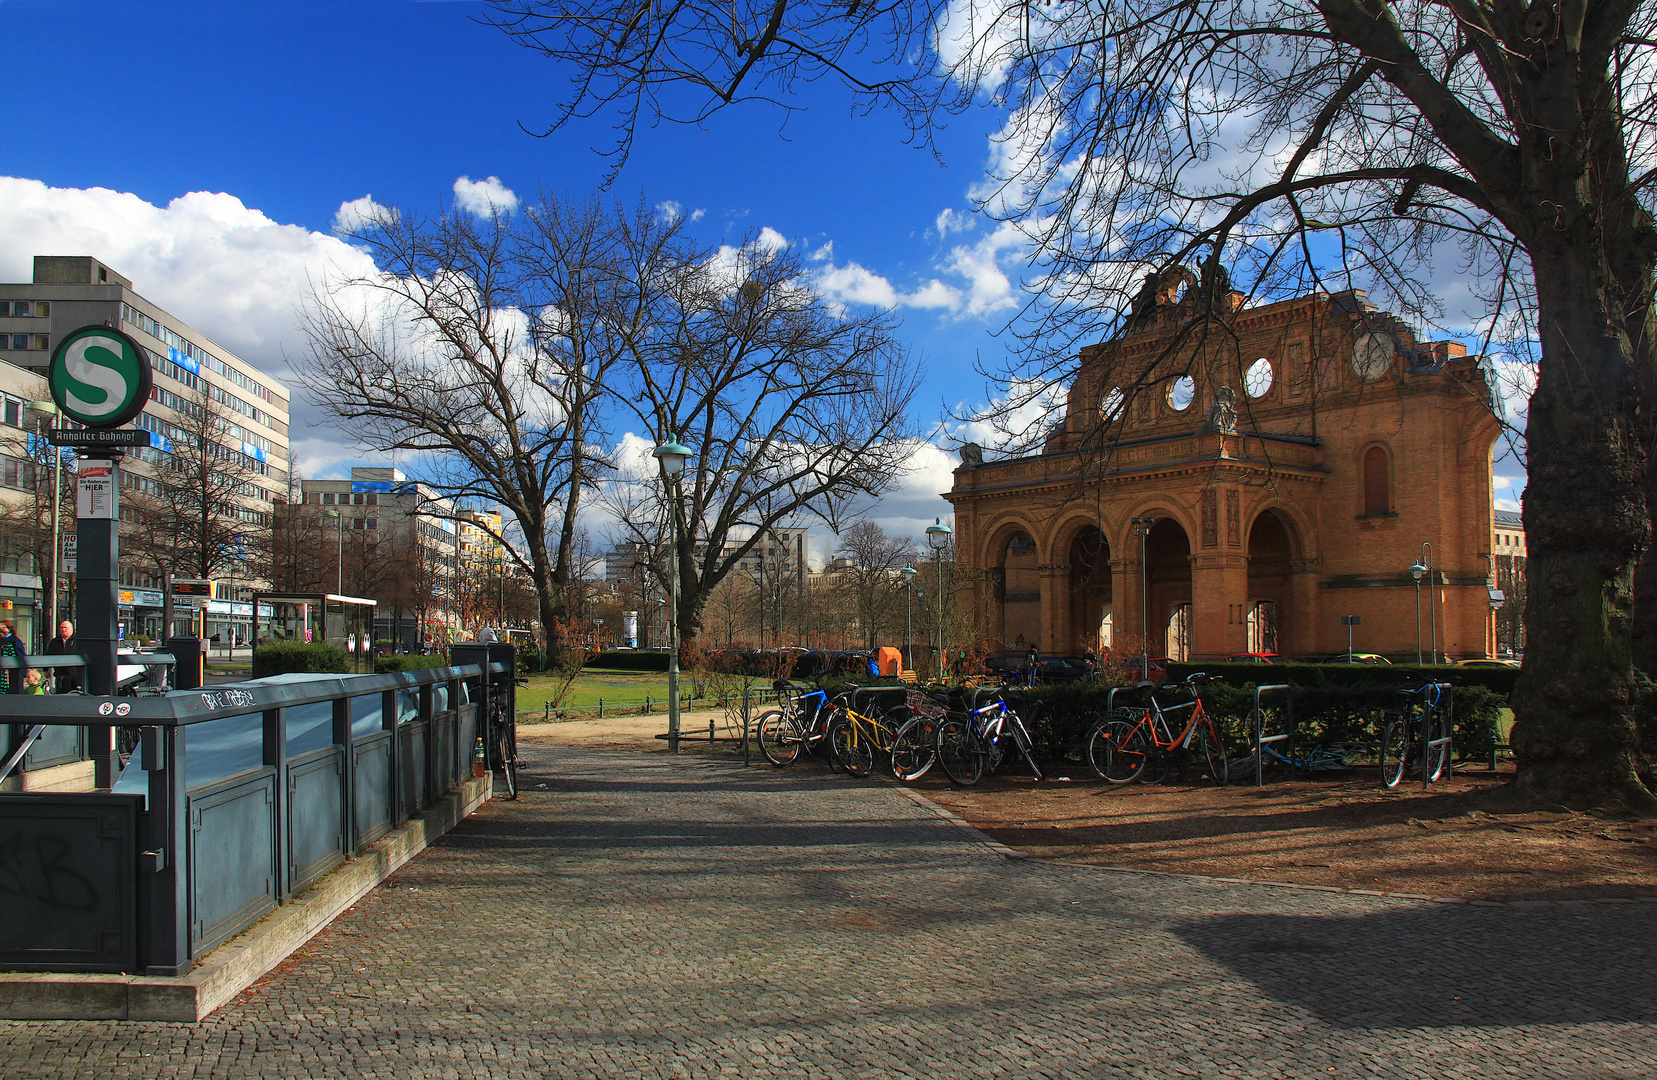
x,y
1462,838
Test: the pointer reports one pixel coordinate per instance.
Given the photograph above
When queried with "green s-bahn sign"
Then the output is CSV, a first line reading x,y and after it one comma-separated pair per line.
x,y
100,377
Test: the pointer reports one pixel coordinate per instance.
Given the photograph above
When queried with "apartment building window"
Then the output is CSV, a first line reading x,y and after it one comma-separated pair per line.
x,y
327,498
32,342
23,309
373,525
14,412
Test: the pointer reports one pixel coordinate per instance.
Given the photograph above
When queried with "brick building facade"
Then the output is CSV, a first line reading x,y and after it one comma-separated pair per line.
x,y
1295,457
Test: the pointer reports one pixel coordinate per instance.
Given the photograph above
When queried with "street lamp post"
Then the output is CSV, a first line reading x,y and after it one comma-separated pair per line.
x,y
1424,568
1142,529
937,535
339,557
909,573
50,408
672,454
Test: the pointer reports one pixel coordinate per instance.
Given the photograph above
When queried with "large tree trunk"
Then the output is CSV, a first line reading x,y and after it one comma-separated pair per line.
x,y
1586,525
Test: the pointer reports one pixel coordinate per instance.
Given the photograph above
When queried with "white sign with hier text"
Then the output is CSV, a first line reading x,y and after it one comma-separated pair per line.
x,y
95,491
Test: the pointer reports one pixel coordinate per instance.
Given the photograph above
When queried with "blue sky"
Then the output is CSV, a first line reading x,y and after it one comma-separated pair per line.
x,y
282,112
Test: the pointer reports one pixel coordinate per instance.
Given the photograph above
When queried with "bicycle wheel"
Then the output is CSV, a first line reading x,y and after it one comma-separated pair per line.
x,y
779,739
506,758
852,747
1117,751
915,748
1208,752
962,761
1026,745
1438,727
1395,749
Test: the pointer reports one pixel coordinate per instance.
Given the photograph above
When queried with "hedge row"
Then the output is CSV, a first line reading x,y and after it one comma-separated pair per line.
x,y
285,657
409,662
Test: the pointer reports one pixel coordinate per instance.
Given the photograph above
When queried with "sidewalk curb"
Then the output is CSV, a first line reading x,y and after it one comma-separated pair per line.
x,y
1014,853
242,961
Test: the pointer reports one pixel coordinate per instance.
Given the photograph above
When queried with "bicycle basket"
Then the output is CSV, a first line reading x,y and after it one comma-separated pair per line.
x,y
920,704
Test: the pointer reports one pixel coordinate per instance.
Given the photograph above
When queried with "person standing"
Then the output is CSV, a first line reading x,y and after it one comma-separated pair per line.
x,y
68,680
11,646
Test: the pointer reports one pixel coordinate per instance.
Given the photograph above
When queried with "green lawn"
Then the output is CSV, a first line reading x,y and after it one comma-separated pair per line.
x,y
615,688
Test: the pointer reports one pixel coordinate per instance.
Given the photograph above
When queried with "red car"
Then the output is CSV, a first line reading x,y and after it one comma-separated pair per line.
x,y
1159,668
1252,658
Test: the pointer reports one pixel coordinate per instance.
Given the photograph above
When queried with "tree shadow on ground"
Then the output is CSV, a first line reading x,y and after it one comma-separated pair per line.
x,y
1438,966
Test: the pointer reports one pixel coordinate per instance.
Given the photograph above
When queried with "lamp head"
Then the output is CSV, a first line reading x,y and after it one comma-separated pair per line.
x,y
672,454
1418,571
937,534
908,573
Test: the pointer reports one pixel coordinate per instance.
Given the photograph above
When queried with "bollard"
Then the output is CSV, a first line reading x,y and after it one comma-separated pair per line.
x,y
710,733
601,708
546,712
647,704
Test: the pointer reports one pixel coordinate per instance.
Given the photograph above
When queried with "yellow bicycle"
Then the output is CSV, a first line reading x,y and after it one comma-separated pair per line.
x,y
855,739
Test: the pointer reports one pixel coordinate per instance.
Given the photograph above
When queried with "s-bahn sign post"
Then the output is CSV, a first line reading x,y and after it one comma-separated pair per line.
x,y
101,378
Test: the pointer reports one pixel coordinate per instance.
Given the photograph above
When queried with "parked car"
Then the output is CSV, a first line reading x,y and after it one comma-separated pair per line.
x,y
1253,658
1485,661
1158,664
1356,658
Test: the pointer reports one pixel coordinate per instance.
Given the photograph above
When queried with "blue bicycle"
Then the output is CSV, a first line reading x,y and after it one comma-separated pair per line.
x,y
798,725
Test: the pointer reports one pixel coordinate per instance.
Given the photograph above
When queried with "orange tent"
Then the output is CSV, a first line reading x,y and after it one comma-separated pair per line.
x,y
889,660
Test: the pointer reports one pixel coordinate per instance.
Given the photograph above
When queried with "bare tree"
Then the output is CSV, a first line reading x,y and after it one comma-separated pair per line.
x,y
196,511
482,345
793,409
1357,140
299,555
867,575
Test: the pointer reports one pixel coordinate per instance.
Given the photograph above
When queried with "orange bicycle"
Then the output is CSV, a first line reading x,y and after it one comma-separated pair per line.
x,y
1136,744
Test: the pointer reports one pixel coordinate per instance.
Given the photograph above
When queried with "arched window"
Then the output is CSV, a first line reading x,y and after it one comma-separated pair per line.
x,y
1377,496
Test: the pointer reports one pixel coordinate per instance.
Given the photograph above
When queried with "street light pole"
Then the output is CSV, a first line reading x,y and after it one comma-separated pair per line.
x,y
909,573
672,454
1142,529
1424,568
938,534
339,557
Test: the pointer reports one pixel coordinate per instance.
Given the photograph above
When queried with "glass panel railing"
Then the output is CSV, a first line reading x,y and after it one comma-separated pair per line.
x,y
310,727
367,715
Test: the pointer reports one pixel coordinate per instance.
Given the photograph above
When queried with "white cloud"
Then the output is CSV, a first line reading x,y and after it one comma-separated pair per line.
x,y
951,221
223,267
356,213
484,197
988,287
672,210
824,253
1509,505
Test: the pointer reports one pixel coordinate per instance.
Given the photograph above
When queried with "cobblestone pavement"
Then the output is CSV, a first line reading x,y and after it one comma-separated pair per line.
x,y
650,917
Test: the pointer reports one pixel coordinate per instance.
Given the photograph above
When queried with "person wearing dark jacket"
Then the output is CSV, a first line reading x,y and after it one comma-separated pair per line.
x,y
11,646
68,680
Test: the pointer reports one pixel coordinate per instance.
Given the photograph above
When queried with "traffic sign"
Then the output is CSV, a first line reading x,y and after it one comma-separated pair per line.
x,y
100,377
101,437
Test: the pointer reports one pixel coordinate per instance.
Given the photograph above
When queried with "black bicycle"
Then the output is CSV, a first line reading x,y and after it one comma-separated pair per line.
x,y
1418,737
501,745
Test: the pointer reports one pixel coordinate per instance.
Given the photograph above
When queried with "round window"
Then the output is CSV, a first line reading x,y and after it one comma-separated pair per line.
x,y
1257,380
1181,392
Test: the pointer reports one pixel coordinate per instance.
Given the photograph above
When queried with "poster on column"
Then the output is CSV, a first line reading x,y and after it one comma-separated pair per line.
x,y
95,491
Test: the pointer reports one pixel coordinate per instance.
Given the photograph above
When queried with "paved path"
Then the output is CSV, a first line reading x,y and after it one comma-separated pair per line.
x,y
651,917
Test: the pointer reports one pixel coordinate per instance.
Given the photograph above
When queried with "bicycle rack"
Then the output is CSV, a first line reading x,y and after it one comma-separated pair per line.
x,y
1448,696
1261,738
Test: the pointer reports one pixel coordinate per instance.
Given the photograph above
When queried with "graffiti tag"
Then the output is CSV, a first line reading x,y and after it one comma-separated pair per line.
x,y
47,879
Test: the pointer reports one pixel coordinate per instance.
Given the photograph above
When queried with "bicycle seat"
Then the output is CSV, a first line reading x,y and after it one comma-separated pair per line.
x,y
1144,684
782,686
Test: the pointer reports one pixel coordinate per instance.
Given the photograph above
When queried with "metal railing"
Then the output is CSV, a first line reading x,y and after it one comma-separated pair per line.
x,y
1257,723
236,798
